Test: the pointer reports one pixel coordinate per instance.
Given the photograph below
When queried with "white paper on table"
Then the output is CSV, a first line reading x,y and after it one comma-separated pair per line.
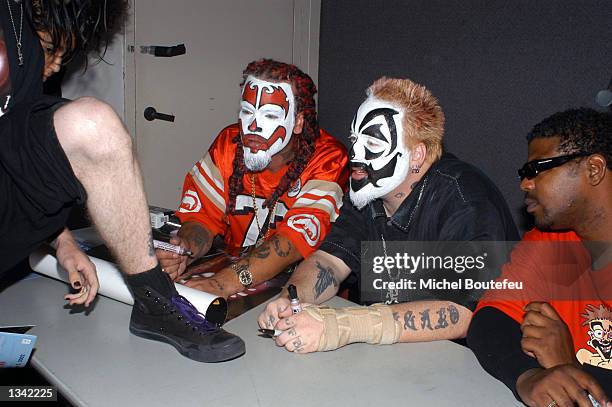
x,y
112,284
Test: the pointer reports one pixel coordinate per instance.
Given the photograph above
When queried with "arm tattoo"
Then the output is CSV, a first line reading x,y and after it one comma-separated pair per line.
x,y
262,252
198,236
278,249
425,320
216,283
443,315
453,314
442,322
325,278
409,322
151,247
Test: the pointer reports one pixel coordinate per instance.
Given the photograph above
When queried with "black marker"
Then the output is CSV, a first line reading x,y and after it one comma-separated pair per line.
x,y
269,333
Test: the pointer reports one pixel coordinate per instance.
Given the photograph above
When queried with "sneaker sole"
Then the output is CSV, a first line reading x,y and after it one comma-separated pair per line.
x,y
212,356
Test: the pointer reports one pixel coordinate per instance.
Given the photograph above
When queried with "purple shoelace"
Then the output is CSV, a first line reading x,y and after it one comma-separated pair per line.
x,y
192,314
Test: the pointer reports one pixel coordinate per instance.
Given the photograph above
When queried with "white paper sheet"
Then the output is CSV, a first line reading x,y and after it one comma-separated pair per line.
x,y
113,285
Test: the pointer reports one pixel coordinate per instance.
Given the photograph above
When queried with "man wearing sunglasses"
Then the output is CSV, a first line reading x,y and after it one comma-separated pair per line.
x,y
551,343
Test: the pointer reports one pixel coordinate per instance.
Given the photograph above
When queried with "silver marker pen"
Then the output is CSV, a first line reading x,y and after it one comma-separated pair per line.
x,y
169,247
295,302
594,402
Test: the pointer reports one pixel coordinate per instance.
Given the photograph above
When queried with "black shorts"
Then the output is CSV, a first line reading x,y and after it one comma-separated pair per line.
x,y
37,185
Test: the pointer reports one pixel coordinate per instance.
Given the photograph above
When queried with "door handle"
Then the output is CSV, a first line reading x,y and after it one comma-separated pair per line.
x,y
162,51
151,114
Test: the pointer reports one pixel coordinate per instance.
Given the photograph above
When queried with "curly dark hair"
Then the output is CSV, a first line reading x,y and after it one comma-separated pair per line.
x,y
304,91
88,24
580,130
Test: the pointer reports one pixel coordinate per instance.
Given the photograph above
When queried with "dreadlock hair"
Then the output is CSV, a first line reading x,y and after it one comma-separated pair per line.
x,y
80,26
580,130
304,91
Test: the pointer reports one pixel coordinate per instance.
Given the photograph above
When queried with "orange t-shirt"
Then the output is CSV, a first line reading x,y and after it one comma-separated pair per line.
x,y
303,214
556,268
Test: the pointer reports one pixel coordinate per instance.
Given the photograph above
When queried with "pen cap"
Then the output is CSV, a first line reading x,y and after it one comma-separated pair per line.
x,y
292,292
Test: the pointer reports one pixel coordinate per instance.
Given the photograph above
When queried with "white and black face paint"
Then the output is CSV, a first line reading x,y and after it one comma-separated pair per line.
x,y
379,157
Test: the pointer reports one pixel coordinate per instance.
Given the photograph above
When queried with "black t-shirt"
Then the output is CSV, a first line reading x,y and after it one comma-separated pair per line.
x,y
18,83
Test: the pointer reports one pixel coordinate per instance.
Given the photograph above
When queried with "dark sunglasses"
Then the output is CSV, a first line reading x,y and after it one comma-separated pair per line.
x,y
531,169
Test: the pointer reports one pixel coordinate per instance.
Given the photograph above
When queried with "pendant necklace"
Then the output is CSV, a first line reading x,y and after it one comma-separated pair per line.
x,y
260,238
17,37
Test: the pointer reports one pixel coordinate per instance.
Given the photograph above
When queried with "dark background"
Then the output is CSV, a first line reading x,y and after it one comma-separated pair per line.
x,y
497,66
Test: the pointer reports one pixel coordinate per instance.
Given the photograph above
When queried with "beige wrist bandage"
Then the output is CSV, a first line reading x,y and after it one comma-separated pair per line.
x,y
374,324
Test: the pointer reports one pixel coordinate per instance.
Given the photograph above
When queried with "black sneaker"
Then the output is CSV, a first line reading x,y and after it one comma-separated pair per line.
x,y
177,322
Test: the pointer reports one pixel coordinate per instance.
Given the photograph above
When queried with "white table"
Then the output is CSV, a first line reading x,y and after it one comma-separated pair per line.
x,y
94,360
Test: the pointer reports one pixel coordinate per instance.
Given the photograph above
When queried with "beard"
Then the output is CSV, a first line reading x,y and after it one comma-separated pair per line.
x,y
369,192
260,160
256,161
364,196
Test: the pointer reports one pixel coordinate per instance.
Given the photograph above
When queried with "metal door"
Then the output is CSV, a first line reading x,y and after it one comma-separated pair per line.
x,y
201,88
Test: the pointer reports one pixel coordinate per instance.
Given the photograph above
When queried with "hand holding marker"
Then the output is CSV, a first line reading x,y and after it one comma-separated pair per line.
x,y
169,247
295,308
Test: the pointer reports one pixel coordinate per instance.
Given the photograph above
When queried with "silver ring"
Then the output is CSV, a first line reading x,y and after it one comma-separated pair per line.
x,y
552,404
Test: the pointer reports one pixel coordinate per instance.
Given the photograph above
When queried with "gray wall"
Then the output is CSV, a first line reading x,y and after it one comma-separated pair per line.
x,y
497,67
102,79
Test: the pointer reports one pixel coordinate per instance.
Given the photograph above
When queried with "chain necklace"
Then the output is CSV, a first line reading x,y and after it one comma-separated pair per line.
x,y
260,238
392,295
17,38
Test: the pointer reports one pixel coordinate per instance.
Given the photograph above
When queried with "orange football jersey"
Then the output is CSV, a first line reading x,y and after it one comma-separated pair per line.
x,y
303,214
556,268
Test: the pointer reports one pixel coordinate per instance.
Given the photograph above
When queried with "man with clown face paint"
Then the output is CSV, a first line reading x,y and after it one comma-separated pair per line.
x,y
403,187
379,158
270,185
267,115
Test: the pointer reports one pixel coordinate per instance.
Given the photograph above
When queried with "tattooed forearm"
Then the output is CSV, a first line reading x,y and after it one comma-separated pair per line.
x,y
281,250
442,318
262,252
325,278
